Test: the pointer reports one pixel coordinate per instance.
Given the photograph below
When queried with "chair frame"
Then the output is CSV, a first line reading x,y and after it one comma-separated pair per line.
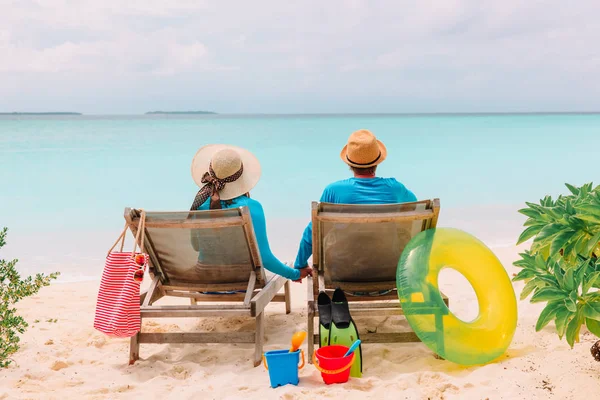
x,y
259,291
384,305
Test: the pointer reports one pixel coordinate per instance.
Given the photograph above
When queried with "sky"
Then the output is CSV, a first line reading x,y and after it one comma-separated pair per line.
x,y
273,56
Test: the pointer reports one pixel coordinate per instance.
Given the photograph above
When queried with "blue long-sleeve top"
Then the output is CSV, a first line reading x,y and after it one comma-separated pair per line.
x,y
270,262
355,191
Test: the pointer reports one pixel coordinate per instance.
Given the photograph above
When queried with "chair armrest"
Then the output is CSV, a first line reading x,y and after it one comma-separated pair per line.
x,y
310,292
266,294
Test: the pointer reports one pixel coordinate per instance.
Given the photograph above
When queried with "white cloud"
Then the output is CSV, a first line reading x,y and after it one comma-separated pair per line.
x,y
247,55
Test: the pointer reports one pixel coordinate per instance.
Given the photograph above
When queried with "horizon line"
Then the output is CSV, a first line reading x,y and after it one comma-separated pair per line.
x,y
216,114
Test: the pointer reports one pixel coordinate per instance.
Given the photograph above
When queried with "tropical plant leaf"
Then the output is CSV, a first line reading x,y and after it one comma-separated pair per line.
x,y
548,314
569,207
530,212
540,263
593,326
580,275
558,274
588,209
534,222
569,282
549,280
573,328
529,287
563,316
548,294
560,241
592,310
572,189
546,201
575,223
589,217
570,304
524,274
526,261
590,282
548,232
557,212
529,233
592,243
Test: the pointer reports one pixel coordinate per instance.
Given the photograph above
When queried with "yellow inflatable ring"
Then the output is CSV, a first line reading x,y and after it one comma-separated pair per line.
x,y
467,343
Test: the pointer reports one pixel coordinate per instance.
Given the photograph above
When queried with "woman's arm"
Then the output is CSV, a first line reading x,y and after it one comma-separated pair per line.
x,y
269,260
305,250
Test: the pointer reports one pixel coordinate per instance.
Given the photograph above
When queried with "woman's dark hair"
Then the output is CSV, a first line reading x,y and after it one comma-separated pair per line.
x,y
230,202
364,171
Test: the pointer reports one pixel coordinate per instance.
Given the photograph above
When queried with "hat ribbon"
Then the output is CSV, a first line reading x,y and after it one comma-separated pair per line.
x,y
369,163
212,187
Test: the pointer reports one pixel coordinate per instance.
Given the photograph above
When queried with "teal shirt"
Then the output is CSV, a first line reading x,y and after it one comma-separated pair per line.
x,y
270,262
355,191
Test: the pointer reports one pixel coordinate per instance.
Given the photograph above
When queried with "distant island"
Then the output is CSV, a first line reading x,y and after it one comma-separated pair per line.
x,y
40,113
180,112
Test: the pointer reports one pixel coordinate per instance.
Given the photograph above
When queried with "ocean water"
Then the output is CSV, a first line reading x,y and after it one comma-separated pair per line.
x,y
64,181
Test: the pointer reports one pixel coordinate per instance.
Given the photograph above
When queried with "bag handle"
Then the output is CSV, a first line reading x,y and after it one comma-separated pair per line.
x,y
141,231
120,238
141,234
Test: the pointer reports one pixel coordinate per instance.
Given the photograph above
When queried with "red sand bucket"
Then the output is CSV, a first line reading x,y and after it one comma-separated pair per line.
x,y
334,367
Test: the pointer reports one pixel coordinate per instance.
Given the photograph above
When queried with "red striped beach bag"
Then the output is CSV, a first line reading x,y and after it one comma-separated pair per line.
x,y
118,305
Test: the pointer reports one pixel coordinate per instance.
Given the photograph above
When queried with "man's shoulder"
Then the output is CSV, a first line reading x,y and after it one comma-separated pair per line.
x,y
338,184
393,182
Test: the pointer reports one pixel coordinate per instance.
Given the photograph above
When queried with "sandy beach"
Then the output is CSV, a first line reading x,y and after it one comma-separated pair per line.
x,y
63,357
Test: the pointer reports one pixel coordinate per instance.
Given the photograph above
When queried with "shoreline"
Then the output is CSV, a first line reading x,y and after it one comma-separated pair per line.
x,y
79,254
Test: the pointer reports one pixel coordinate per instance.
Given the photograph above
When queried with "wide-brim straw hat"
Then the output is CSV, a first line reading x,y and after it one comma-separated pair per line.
x,y
226,161
363,150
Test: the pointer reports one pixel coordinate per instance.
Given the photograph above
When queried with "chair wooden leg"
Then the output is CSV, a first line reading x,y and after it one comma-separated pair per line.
x,y
134,348
311,332
259,339
288,298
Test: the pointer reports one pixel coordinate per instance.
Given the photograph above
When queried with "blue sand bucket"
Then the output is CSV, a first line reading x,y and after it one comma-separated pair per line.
x,y
283,366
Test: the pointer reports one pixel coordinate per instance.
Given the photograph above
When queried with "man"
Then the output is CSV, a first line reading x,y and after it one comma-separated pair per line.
x,y
363,154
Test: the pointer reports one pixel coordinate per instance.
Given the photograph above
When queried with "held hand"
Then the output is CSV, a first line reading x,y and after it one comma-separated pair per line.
x,y
304,272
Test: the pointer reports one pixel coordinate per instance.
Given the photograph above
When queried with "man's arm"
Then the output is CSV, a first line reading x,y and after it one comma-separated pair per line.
x,y
305,250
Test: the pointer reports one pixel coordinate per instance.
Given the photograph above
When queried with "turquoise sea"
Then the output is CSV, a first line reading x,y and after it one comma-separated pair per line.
x,y
64,181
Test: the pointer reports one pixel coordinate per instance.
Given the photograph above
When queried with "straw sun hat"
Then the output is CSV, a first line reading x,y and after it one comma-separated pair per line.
x,y
363,150
236,167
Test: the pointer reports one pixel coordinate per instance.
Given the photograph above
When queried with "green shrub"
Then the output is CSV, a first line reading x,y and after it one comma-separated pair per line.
x,y
562,266
13,289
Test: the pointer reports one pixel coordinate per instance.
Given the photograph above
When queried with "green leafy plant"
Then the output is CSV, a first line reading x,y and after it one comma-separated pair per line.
x,y
562,266
13,289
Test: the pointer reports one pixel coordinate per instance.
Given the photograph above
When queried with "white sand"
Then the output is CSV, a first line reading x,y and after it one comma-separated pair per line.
x,y
68,359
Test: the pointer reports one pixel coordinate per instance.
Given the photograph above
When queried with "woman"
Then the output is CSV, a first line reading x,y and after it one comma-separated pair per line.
x,y
226,174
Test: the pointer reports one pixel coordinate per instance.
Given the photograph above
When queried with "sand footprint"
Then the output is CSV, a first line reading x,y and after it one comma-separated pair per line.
x,y
58,365
177,372
96,341
362,385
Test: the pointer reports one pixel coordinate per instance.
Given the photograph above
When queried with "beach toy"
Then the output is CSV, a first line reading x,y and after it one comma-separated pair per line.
x,y
333,363
467,343
352,348
283,366
297,340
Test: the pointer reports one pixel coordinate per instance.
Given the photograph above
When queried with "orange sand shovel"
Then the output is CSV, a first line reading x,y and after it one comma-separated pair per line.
x,y
297,340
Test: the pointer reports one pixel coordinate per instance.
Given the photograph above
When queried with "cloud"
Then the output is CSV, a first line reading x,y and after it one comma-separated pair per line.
x,y
276,56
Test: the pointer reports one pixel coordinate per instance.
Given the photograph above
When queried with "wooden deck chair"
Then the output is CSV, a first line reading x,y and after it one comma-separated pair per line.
x,y
225,244
357,248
